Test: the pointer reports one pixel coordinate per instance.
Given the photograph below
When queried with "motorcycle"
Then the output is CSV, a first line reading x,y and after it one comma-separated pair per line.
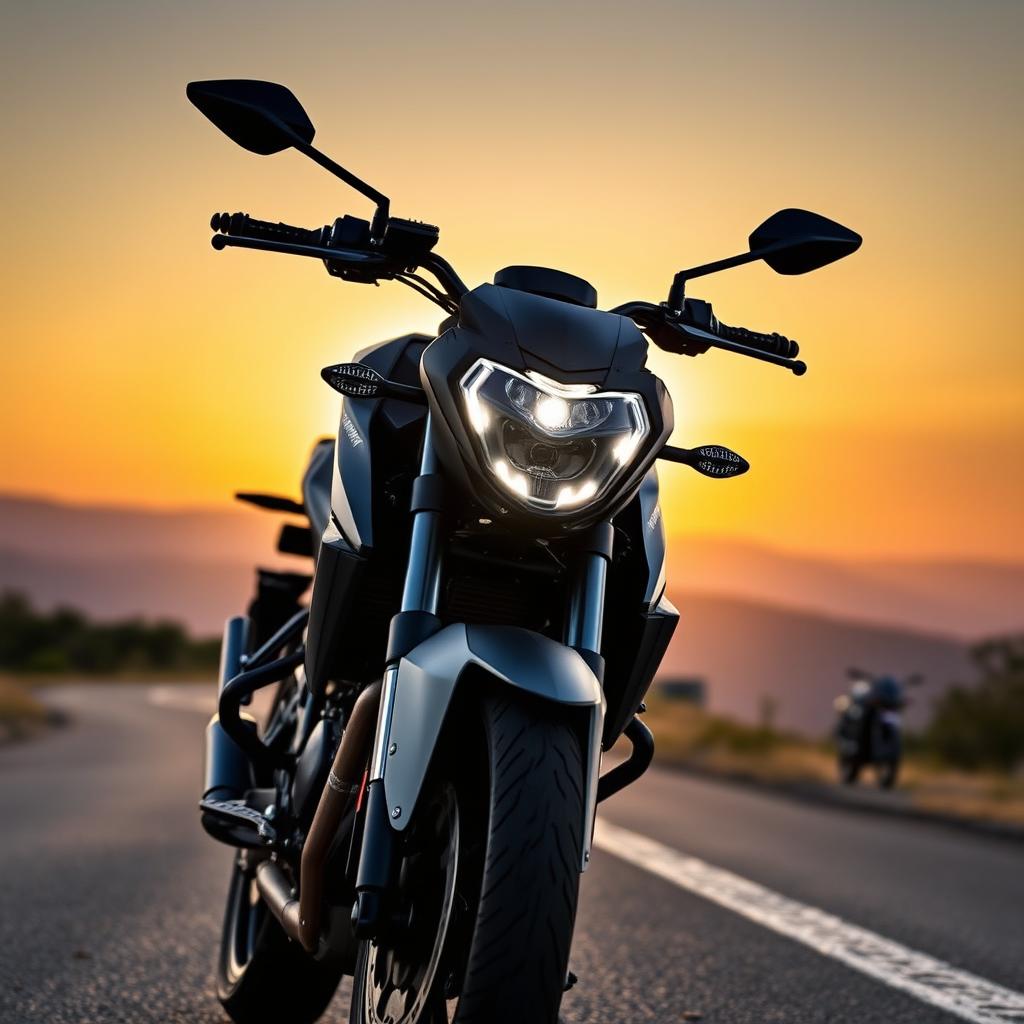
x,y
487,611
869,730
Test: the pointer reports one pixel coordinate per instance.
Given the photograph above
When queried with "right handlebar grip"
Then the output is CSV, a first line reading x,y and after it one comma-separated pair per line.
x,y
248,227
775,344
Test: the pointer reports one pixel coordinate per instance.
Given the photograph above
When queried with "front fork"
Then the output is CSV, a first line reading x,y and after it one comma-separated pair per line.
x,y
583,626
417,620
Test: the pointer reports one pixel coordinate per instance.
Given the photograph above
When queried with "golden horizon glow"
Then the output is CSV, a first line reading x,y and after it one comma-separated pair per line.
x,y
143,368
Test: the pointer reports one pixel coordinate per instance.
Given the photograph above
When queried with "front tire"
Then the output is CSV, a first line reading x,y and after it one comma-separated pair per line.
x,y
888,772
520,842
849,770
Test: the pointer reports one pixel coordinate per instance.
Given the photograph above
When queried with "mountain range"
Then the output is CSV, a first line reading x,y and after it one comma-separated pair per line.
x,y
757,622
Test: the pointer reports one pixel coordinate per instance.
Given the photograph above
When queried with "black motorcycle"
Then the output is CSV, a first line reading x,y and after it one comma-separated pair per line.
x,y
870,726
487,612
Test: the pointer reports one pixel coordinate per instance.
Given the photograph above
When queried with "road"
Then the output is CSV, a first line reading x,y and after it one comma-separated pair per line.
x,y
110,895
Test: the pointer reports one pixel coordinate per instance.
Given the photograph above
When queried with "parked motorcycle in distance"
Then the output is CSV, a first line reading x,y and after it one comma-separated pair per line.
x,y
487,612
870,729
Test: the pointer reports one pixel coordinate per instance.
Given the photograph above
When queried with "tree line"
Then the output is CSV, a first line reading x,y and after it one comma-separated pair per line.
x,y
982,725
67,641
974,726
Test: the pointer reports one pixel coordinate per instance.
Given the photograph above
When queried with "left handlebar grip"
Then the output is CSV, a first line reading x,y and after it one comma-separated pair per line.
x,y
241,224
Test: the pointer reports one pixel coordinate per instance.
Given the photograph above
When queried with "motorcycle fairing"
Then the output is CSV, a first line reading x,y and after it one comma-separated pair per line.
x,y
421,691
364,455
639,620
652,528
570,344
316,485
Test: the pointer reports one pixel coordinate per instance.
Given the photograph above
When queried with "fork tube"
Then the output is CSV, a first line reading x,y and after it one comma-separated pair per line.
x,y
421,594
423,574
417,619
586,595
586,604
583,624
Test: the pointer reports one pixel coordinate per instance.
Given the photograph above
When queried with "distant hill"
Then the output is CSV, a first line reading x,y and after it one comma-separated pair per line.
x,y
200,595
192,565
964,599
747,651
54,530
755,621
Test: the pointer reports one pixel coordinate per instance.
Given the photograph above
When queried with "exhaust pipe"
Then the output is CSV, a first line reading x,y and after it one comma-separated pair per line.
x,y
277,893
300,915
227,772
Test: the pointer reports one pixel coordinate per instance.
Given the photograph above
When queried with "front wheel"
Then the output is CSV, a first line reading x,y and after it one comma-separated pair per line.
x,y
888,771
489,883
849,770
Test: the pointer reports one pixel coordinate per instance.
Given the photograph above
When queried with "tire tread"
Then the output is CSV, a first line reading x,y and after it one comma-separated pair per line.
x,y
520,953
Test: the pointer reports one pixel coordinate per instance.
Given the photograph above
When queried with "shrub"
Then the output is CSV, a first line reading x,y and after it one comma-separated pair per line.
x,y
982,726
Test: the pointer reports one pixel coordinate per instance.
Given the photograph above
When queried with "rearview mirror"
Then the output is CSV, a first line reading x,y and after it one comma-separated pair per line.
x,y
262,117
790,242
797,241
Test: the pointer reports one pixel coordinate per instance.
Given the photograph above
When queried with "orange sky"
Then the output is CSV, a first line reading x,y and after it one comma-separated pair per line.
x,y
620,142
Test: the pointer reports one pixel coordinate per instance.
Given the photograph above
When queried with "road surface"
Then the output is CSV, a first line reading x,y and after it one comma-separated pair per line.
x,y
703,898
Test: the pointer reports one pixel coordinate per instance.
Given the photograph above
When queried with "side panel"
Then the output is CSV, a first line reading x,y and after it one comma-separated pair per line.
x,y
418,694
655,632
339,572
373,434
316,485
653,531
352,485
364,542
639,619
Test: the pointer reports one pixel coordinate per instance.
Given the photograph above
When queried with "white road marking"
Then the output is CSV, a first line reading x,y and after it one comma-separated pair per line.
x,y
173,697
932,981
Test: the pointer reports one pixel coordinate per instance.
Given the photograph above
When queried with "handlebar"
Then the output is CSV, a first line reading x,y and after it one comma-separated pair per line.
x,y
349,250
698,313
696,329
243,226
776,344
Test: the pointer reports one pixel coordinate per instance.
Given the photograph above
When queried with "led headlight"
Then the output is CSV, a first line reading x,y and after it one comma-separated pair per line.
x,y
551,446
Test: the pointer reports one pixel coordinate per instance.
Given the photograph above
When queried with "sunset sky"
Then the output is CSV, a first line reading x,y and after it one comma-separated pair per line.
x,y
620,142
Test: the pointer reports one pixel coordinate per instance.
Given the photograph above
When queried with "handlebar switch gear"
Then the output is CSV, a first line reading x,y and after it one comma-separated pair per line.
x,y
349,233
409,240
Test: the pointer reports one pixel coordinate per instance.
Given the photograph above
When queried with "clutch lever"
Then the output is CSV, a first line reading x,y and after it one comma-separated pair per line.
x,y
319,252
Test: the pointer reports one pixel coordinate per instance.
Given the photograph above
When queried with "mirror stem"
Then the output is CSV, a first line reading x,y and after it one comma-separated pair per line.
x,y
677,293
380,217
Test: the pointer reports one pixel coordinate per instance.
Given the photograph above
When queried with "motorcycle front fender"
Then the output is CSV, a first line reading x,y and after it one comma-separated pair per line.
x,y
419,691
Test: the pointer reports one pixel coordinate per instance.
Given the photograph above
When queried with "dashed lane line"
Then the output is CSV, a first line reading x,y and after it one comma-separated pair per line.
x,y
930,980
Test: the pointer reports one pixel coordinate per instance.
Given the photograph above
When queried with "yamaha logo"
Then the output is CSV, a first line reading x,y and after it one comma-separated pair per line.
x,y
354,437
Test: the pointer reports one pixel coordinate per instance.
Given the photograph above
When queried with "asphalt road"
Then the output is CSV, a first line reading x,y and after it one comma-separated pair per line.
x,y
110,894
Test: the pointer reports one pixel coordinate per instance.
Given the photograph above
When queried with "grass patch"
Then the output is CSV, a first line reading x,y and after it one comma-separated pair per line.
x,y
688,736
21,713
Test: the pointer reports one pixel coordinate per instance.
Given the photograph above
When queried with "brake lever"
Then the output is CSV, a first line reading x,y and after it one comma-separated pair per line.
x,y
695,336
673,335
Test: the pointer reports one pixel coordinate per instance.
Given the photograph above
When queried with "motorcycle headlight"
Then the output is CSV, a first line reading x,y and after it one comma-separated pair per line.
x,y
551,446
